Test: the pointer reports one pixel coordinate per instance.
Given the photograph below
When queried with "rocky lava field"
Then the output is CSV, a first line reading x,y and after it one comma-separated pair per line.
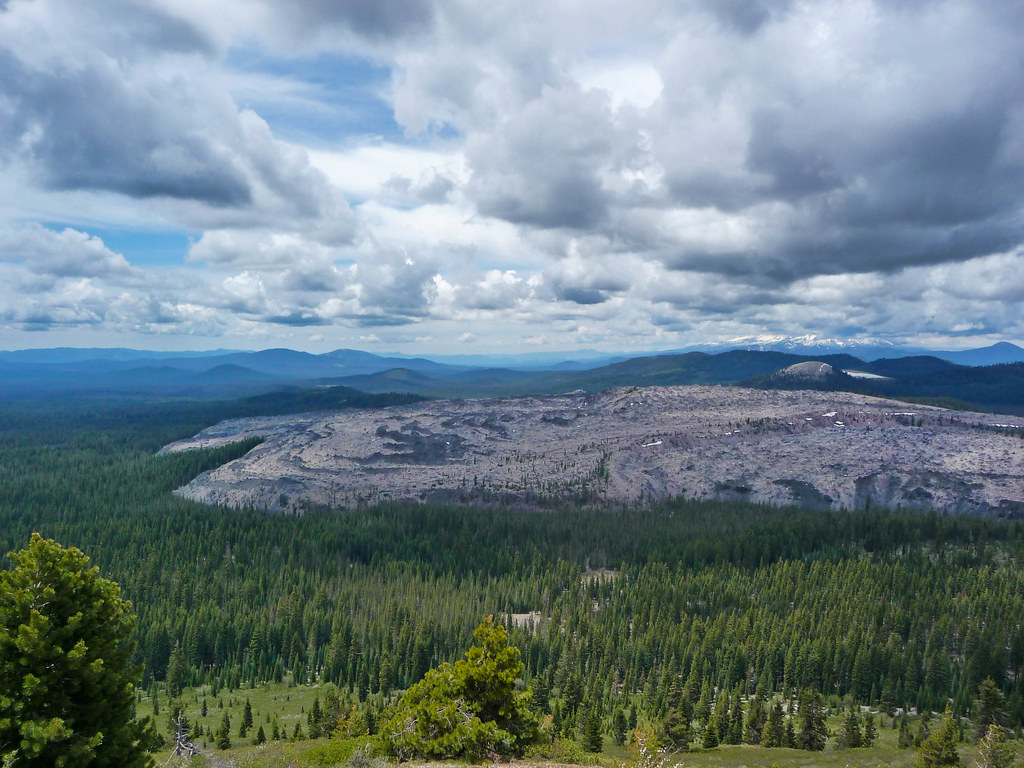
x,y
626,447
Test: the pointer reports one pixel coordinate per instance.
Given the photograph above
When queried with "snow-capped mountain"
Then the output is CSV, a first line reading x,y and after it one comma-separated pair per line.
x,y
809,344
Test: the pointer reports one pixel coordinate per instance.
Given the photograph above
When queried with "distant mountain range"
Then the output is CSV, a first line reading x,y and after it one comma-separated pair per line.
x,y
990,377
865,349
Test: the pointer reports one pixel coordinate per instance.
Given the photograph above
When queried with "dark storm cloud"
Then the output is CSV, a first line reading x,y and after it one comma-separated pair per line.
x,y
793,172
543,168
296,319
905,154
578,295
745,16
121,97
130,26
89,129
377,20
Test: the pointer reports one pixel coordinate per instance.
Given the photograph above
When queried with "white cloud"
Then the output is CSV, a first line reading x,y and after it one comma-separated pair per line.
x,y
571,172
68,253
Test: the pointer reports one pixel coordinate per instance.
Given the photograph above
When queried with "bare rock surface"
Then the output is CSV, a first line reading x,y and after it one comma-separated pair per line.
x,y
627,446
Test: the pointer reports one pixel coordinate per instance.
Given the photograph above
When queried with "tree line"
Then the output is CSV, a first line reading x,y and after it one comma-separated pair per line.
x,y
613,610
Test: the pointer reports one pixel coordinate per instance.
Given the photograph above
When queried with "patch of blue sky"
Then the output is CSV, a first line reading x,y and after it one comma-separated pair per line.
x,y
325,99
142,247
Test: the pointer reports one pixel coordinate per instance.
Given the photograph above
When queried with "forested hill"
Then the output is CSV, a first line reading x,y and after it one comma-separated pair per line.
x,y
610,606
25,376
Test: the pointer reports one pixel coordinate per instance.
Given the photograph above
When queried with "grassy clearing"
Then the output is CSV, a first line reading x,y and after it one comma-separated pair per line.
x,y
289,703
285,702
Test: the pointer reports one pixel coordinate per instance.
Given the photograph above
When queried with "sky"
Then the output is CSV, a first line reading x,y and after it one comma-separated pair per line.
x,y
462,176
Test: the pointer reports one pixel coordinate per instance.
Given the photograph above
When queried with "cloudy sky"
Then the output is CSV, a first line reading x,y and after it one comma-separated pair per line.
x,y
470,176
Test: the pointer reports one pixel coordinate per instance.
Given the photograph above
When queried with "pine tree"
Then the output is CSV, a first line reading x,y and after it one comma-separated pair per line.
x,y
674,731
702,710
870,731
470,708
540,695
813,731
246,719
790,733
222,739
734,734
754,724
888,700
261,735
720,717
849,736
774,732
313,718
66,687
619,728
592,738
994,751
989,707
940,749
924,728
176,673
904,740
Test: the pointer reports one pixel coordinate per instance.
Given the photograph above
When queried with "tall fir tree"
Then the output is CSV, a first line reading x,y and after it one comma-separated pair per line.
x,y
754,723
619,728
774,732
813,731
66,686
593,740
989,707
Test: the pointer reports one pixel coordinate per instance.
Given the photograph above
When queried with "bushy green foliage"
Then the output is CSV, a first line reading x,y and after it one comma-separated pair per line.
x,y
334,752
467,709
939,750
561,751
994,751
66,686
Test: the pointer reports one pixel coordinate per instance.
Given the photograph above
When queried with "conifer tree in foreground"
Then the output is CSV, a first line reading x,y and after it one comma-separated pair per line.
x,y
66,690
994,751
467,709
940,748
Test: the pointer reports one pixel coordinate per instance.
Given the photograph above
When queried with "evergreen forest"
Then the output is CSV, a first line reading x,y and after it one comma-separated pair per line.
x,y
621,615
